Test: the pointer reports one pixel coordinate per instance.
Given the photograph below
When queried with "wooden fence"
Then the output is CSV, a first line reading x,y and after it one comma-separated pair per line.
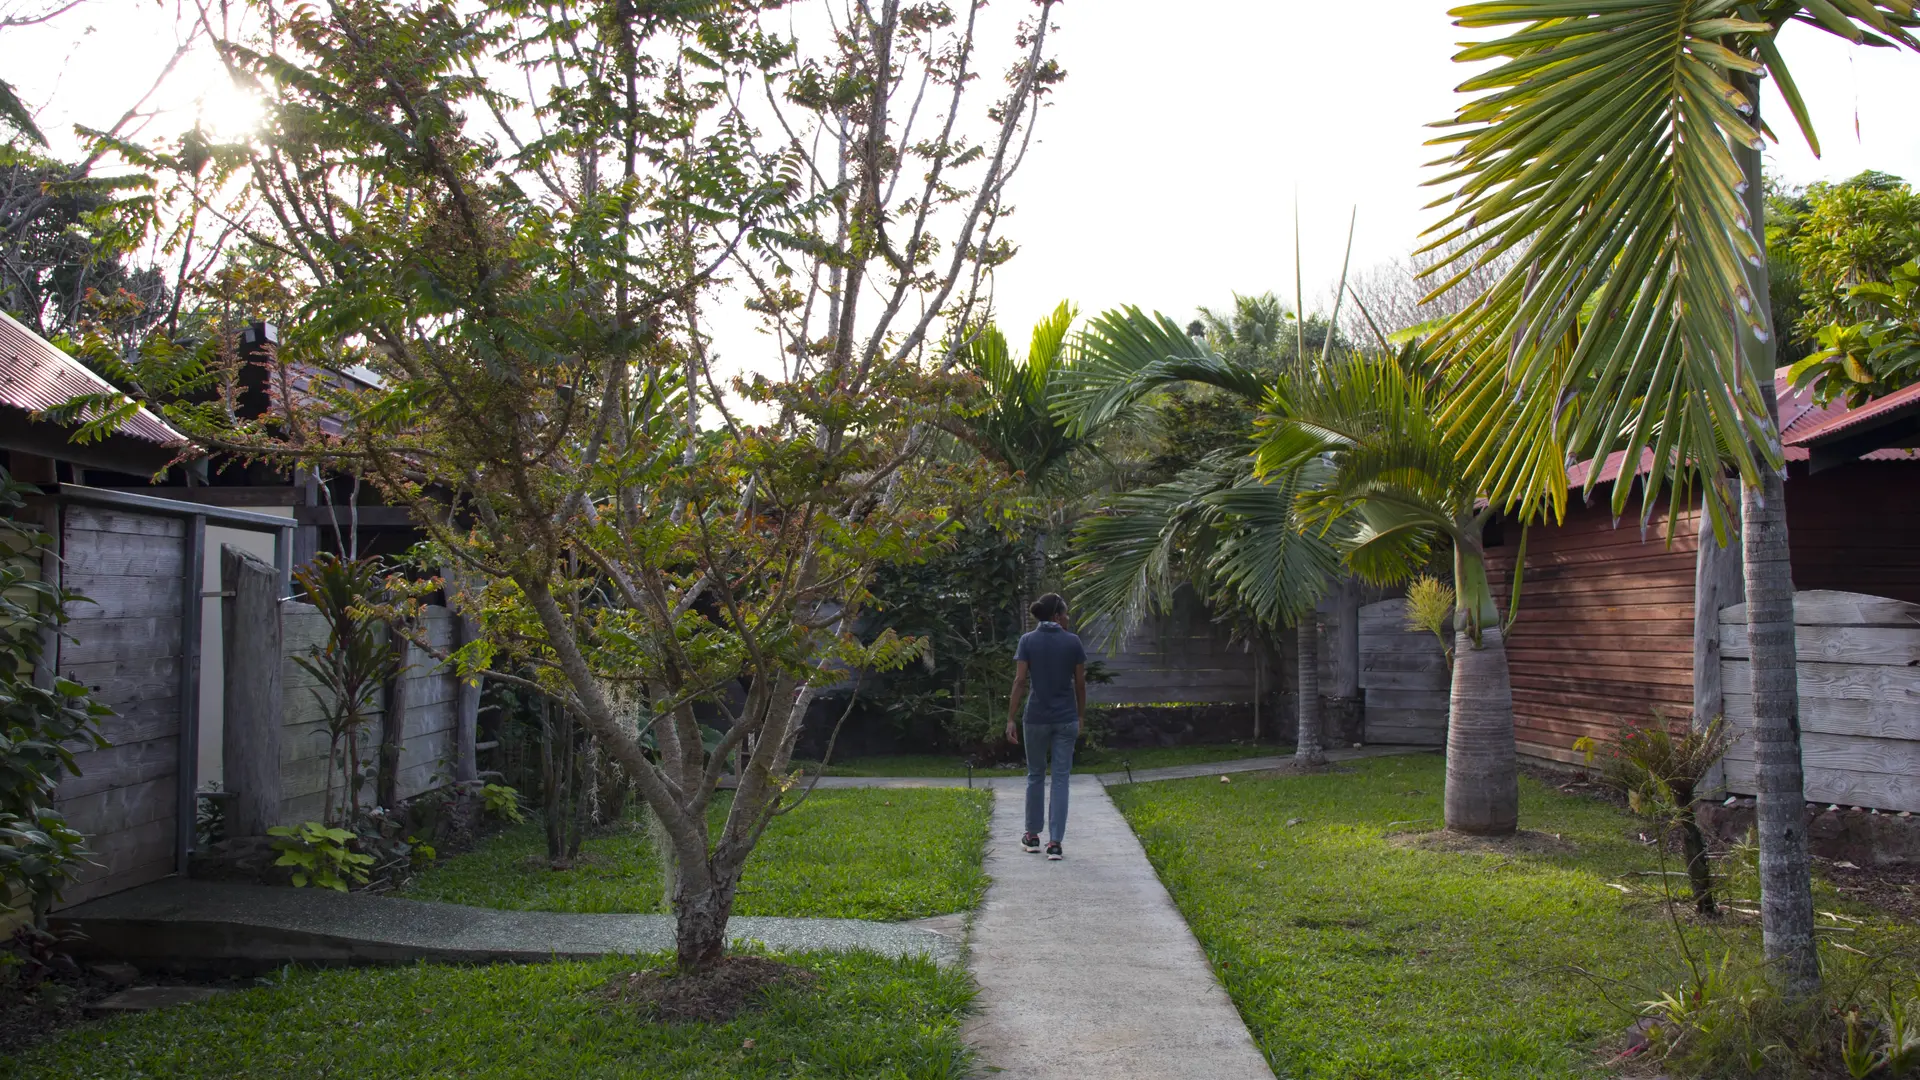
x,y
127,648
1859,684
427,747
1404,677
1180,656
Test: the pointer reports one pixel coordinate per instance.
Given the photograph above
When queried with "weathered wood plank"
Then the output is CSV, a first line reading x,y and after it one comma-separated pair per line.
x,y
1879,791
1841,716
122,555
1899,685
1897,645
1822,607
121,766
250,616
1408,699
122,807
120,682
121,597
82,518
108,639
1846,753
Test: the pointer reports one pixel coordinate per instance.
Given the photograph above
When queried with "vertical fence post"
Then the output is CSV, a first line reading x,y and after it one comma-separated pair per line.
x,y
1718,583
250,616
466,708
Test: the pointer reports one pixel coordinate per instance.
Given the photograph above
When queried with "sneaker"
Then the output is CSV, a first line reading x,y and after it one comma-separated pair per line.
x,y
1030,843
1053,851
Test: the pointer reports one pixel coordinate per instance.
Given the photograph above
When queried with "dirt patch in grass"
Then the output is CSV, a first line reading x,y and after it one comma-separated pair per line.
x,y
1290,768
714,996
1523,842
1893,889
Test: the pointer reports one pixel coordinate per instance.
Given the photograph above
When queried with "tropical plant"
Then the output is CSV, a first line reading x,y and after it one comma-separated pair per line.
x,y
1398,477
40,725
320,855
1876,355
1216,526
349,668
1616,146
1660,771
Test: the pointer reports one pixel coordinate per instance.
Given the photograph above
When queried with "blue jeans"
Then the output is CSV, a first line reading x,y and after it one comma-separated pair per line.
x,y
1044,740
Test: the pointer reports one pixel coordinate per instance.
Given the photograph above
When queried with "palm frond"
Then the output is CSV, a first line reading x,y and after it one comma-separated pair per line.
x,y
1605,149
1126,354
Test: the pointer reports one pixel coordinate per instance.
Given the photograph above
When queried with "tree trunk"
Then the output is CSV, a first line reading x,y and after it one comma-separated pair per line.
x,y
393,724
700,924
1307,748
1786,896
1786,893
1699,871
1483,781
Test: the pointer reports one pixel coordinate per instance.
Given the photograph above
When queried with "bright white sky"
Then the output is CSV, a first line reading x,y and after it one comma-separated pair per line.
x,y
1168,163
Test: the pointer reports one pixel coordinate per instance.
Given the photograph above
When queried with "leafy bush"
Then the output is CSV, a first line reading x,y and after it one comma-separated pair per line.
x,y
502,802
320,855
40,726
1661,774
351,666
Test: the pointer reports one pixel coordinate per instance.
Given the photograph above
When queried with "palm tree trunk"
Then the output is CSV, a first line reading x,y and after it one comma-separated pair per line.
x,y
1483,771
1786,894
1307,749
1483,767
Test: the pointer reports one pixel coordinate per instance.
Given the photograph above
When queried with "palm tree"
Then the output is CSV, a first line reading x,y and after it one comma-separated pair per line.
x,y
1616,147
1217,526
1018,430
1398,476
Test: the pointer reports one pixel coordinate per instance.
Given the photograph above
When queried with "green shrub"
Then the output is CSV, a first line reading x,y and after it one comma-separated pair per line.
x,y
320,855
40,726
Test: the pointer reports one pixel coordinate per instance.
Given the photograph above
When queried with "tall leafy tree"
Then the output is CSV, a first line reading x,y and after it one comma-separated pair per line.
x,y
518,215
1616,148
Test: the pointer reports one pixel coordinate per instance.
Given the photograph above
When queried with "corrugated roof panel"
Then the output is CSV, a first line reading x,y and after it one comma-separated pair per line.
x,y
34,375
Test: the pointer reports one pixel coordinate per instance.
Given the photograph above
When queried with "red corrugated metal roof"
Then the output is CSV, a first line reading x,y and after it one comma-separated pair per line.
x,y
34,375
1802,423
1831,424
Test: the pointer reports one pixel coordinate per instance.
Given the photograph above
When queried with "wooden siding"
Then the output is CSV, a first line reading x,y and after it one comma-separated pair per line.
x,y
126,648
426,753
1181,656
1856,529
1605,632
1404,677
1859,698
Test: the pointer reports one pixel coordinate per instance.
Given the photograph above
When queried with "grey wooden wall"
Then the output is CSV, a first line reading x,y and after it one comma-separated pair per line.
x,y
1404,677
426,756
1181,656
1859,698
126,648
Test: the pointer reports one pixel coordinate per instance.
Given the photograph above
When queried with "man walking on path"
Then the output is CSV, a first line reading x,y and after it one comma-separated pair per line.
x,y
1054,663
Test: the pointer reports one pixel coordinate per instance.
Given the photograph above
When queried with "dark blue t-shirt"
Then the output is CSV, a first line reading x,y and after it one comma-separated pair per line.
x,y
1051,654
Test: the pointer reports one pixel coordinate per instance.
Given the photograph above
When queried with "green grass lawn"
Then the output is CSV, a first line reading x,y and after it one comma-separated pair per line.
x,y
1354,955
1096,761
863,1016
857,854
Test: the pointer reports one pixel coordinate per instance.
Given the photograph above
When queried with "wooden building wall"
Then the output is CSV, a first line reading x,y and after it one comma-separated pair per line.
x,y
125,647
1605,633
1856,528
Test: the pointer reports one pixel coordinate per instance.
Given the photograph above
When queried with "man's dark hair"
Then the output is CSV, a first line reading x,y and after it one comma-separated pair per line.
x,y
1048,607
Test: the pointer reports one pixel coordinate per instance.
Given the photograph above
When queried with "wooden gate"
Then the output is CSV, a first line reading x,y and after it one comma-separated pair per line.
x,y
129,647
1404,675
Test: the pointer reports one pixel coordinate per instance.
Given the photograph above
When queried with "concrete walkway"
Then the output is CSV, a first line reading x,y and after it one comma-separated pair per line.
x,y
1086,968
228,926
1138,776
